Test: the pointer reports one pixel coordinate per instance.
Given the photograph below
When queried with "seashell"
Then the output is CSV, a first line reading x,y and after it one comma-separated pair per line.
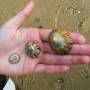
x,y
32,49
60,41
14,58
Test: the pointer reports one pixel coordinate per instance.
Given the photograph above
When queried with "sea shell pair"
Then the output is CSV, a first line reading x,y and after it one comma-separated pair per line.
x,y
59,41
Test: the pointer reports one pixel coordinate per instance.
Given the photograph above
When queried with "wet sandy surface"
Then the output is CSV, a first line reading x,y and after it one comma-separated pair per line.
x,y
71,15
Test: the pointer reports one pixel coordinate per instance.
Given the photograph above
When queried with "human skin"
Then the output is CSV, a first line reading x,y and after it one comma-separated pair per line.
x,y
13,38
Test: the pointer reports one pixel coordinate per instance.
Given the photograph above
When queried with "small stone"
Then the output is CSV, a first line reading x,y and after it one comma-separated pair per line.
x,y
60,80
79,12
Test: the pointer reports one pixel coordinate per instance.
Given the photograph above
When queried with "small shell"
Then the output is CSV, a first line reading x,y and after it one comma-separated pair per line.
x,y
14,58
60,41
32,49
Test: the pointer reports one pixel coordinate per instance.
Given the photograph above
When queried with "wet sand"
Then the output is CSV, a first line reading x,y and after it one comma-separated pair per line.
x,y
71,15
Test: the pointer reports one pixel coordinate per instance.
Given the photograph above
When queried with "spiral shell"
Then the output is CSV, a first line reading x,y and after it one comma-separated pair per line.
x,y
60,41
32,49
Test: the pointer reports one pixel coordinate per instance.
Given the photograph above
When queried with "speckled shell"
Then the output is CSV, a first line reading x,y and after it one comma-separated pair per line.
x,y
32,49
60,41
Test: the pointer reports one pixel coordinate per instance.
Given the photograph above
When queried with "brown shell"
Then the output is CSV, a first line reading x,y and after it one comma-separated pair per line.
x,y
32,49
60,41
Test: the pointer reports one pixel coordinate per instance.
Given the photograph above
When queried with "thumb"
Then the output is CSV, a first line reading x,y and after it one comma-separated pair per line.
x,y
18,20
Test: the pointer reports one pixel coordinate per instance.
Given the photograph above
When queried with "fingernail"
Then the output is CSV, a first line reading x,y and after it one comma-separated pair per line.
x,y
82,39
65,68
86,60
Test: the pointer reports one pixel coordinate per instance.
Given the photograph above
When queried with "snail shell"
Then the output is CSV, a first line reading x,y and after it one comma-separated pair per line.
x,y
60,41
32,49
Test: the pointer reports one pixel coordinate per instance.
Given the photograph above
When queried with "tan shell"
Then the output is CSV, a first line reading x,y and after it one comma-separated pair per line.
x,y
14,58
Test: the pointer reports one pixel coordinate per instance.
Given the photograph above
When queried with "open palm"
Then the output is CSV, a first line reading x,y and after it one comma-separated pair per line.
x,y
13,39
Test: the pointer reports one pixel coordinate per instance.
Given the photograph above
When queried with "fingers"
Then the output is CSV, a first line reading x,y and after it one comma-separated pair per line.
x,y
41,68
75,37
80,49
77,49
20,17
65,59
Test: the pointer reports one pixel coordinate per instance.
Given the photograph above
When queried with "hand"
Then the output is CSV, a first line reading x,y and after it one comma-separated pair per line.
x,y
13,39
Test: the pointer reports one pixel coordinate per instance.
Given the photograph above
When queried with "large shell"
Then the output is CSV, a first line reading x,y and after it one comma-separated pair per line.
x,y
60,41
32,49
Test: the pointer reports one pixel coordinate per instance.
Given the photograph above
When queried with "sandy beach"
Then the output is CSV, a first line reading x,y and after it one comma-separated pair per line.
x,y
71,15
